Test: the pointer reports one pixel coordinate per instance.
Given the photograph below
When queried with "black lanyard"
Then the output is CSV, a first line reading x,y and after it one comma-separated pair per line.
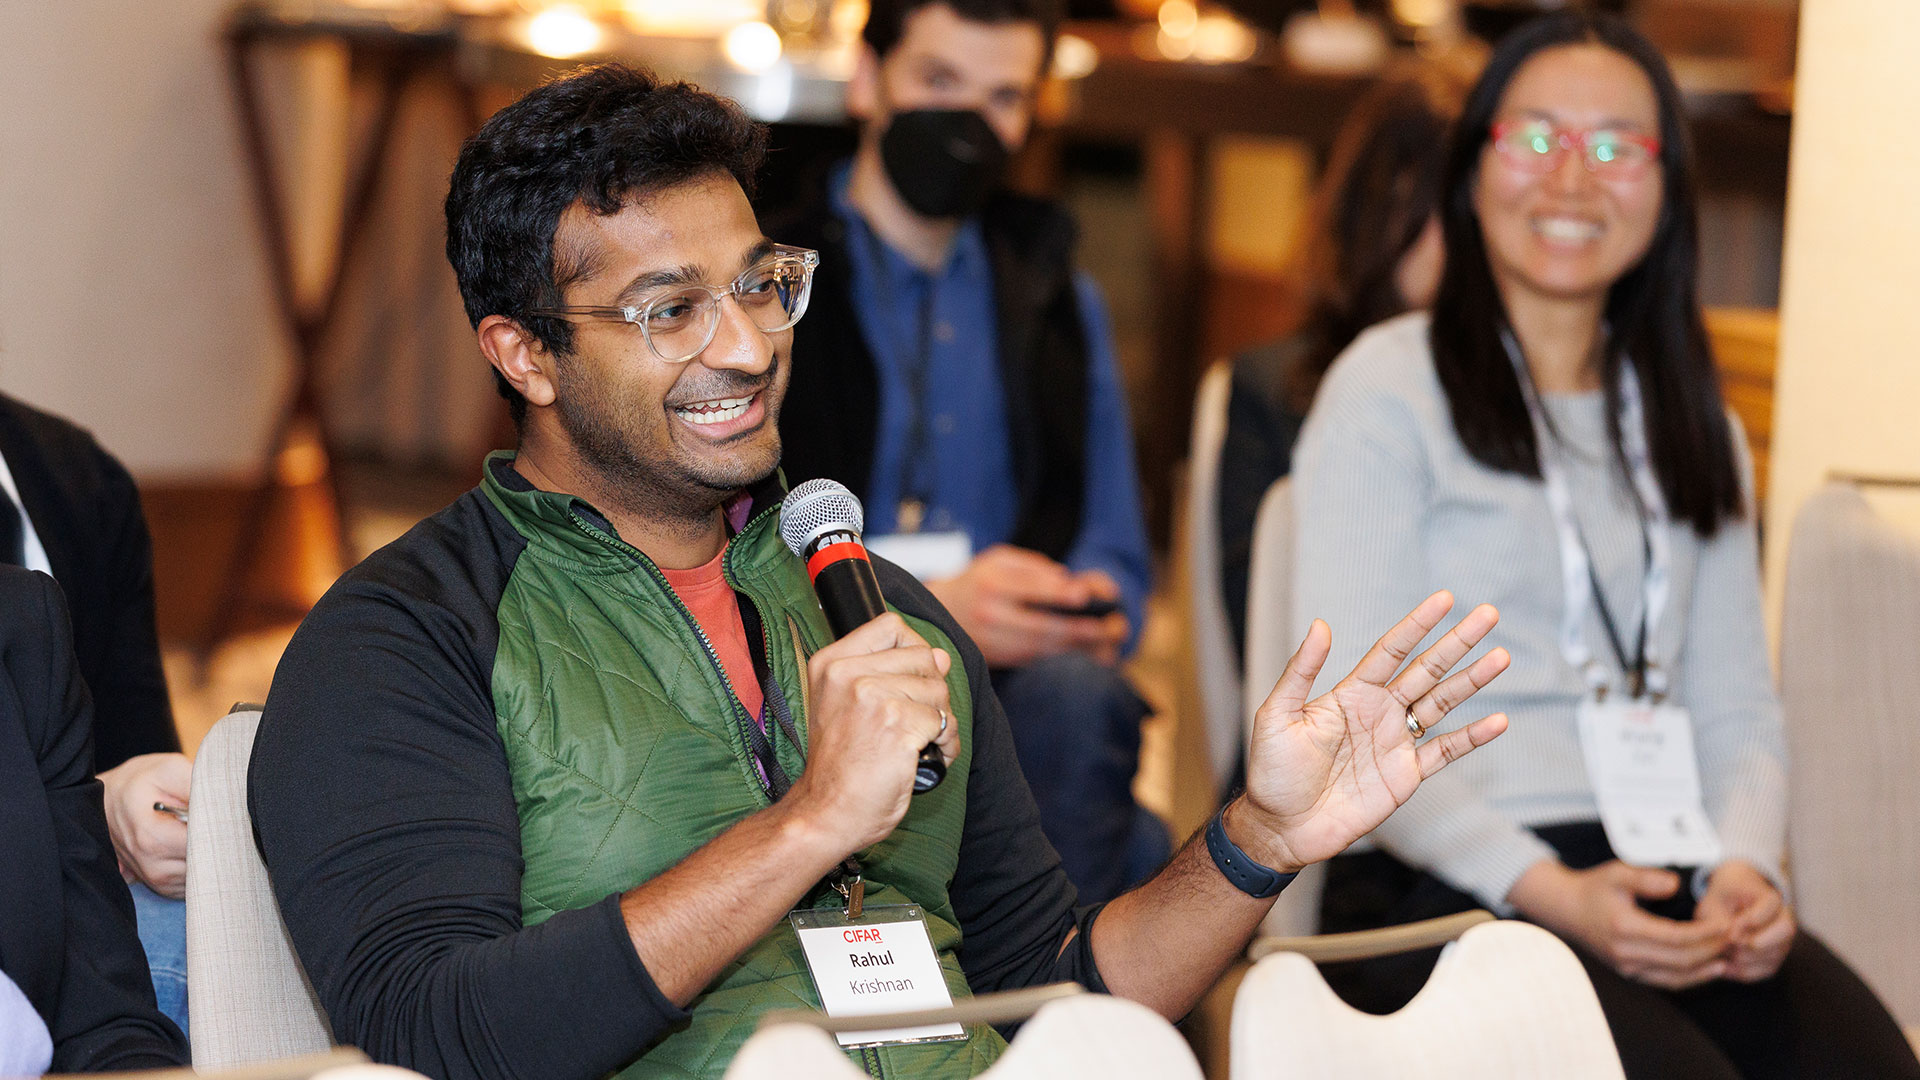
x,y
1635,668
845,878
915,488
773,779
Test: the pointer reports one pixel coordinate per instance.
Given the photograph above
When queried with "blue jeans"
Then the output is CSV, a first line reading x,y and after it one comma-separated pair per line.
x,y
163,934
1076,729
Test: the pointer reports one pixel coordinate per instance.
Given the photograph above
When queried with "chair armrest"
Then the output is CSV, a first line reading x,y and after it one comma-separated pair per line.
x,y
299,1068
1367,944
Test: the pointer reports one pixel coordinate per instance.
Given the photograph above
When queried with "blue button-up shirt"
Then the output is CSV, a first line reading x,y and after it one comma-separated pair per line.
x,y
965,471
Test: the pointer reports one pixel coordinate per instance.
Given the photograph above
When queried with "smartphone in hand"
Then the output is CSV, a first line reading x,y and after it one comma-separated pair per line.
x,y
1092,609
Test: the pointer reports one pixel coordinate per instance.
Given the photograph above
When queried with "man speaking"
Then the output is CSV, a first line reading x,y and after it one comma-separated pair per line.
x,y
573,780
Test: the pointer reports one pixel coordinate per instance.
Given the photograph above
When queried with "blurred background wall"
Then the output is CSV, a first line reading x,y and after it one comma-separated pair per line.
x,y
133,292
1848,380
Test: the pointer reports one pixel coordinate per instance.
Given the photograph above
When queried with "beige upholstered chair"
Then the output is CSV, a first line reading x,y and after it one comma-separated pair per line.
x,y
1293,924
247,998
1507,1001
1215,658
1269,630
1850,680
1072,1034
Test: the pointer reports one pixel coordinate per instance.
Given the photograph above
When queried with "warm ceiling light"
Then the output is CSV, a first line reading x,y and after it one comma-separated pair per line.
x,y
564,31
1074,57
1221,39
1178,18
688,18
752,46
1422,14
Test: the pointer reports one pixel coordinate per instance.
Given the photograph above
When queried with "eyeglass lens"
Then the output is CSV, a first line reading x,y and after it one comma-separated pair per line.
x,y
1539,147
681,323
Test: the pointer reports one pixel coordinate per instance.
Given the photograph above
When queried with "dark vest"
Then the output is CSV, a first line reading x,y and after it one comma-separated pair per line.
x,y
831,418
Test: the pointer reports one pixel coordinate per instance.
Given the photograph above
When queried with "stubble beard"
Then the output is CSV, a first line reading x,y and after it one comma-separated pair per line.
x,y
603,433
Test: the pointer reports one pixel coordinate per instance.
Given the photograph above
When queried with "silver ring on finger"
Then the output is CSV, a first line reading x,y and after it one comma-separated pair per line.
x,y
1414,726
943,722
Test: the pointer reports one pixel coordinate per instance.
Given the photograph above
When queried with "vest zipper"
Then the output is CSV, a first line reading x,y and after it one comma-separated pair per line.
x,y
869,1056
693,624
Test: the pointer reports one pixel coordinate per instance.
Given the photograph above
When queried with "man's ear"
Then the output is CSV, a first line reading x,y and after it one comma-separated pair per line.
x,y
863,88
519,358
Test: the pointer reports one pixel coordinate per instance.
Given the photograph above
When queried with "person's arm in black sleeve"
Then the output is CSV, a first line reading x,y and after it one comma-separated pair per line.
x,y
104,1018
1165,943
383,805
1014,902
130,689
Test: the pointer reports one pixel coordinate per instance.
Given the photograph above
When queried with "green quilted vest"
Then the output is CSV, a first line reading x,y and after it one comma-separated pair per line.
x,y
627,754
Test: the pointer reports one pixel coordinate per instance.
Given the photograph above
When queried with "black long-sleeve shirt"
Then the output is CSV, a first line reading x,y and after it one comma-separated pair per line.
x,y
383,804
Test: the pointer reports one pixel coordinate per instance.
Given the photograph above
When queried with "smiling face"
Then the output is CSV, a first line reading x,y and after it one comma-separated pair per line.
x,y
943,61
1572,232
668,438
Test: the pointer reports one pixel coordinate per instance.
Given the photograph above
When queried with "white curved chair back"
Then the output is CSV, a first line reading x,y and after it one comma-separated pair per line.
x,y
1096,1037
1269,633
1216,660
1082,1037
1507,1001
1850,681
792,1052
247,997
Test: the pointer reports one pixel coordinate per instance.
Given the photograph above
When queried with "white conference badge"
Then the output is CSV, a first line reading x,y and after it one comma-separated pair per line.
x,y
1639,750
1645,776
879,962
928,556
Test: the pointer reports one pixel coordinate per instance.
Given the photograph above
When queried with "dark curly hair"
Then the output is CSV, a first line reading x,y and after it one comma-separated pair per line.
x,y
600,136
887,19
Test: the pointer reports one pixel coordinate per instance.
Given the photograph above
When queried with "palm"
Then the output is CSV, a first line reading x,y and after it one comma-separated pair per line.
x,y
1325,772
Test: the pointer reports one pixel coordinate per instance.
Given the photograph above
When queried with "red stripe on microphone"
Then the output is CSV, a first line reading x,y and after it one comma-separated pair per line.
x,y
833,553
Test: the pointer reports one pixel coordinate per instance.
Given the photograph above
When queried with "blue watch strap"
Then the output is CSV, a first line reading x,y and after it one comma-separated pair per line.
x,y
1248,876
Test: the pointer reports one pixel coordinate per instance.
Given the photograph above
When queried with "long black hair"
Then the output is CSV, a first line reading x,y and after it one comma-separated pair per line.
x,y
1653,311
1381,188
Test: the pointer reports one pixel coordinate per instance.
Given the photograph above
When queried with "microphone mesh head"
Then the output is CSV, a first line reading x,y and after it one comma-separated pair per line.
x,y
818,507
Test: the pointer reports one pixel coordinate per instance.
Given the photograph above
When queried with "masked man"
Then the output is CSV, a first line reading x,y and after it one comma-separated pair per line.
x,y
959,375
555,784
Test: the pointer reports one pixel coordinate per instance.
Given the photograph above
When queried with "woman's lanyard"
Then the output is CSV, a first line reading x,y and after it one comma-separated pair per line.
x,y
914,485
1578,578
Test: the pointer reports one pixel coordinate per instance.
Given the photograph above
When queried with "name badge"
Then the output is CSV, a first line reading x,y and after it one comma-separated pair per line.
x,y
928,556
1647,780
881,961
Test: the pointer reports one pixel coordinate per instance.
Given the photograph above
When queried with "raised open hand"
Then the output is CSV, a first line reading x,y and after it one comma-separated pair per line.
x,y
1323,773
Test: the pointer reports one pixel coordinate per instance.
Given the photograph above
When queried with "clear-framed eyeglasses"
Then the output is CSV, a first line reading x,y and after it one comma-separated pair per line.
x,y
679,323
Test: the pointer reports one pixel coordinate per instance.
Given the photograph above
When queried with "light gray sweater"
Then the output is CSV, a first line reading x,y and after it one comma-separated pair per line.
x,y
1389,507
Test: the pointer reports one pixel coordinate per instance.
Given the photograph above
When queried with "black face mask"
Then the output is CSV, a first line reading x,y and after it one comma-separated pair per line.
x,y
943,162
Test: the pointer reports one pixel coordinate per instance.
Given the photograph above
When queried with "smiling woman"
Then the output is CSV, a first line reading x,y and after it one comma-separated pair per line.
x,y
1556,431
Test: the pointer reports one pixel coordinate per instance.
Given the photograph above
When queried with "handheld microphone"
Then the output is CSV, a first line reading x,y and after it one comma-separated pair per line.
x,y
821,521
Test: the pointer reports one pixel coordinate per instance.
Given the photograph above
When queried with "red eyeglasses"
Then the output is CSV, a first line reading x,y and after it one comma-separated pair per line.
x,y
1538,147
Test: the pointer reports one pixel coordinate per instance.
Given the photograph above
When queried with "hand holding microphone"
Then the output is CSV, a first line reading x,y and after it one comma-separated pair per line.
x,y
821,522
